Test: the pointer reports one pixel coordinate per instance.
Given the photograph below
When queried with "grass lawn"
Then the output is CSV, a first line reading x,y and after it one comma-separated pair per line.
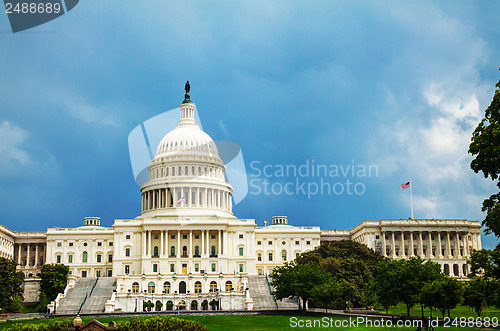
x,y
250,322
460,311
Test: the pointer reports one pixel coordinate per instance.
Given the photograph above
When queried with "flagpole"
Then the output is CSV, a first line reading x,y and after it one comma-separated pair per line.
x,y
411,200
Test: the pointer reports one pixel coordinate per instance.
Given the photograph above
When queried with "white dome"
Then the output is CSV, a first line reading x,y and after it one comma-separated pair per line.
x,y
187,137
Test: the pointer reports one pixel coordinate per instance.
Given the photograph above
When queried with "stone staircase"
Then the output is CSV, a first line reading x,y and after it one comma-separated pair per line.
x,y
102,292
260,293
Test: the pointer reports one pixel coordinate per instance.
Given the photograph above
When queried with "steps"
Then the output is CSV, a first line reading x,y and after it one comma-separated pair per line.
x,y
102,292
260,293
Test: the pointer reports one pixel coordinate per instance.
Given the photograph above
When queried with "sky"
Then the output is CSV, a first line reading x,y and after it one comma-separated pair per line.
x,y
395,87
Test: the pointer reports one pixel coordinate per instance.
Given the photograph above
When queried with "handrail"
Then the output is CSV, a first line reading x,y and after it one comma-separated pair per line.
x,y
272,292
87,295
83,302
92,290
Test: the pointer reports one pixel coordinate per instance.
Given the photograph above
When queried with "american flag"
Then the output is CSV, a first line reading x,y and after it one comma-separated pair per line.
x,y
405,185
183,199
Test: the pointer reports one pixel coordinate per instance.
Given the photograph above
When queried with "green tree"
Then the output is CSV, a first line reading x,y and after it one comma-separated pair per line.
x,y
54,278
485,146
325,293
383,284
443,294
485,262
480,292
298,280
11,290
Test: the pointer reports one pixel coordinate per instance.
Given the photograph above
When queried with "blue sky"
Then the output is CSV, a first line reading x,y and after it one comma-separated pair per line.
x,y
396,84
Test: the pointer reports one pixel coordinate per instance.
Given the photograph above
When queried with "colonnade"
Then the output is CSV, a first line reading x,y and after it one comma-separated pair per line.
x,y
29,258
179,197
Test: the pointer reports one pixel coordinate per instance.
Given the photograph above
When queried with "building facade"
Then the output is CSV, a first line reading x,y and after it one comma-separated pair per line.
x,y
188,249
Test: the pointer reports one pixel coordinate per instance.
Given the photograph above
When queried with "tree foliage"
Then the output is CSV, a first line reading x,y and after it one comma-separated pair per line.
x,y
54,278
485,262
443,294
485,146
480,293
11,291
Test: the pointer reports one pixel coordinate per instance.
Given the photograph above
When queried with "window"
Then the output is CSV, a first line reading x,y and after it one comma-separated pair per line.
x,y
283,242
308,242
196,267
166,287
297,255
184,251
196,236
110,243
197,287
59,244
377,237
259,257
229,286
127,251
70,258
213,251
241,268
135,287
172,267
213,286
212,236
172,251
270,242
99,243
127,236
98,258
110,273
259,242
155,251
155,236
172,236
155,267
213,267
98,273
241,236
58,259
127,269
84,273
70,244
241,251
110,258
196,251
283,255
84,257
270,256
297,242
151,287
184,236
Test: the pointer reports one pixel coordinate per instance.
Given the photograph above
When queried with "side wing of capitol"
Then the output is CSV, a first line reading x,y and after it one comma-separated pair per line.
x,y
186,250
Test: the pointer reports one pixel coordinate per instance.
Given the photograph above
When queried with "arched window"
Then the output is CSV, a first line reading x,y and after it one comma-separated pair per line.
x,y
197,287
172,251
151,287
283,255
173,171
135,287
180,171
84,257
166,287
192,171
186,171
229,286
184,251
213,251
155,251
182,287
213,286
196,251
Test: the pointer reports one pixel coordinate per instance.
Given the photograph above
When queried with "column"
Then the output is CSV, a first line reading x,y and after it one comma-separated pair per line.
x,y
218,243
19,253
143,243
203,251
403,253
190,243
142,202
430,244
174,198
208,242
439,244
213,199
224,243
384,252
412,252
167,245
162,233
189,200
149,243
457,244
448,244
393,245
28,255
178,244
466,244
421,244
36,254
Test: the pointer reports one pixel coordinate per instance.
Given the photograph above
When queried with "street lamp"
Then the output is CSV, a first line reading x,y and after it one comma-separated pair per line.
x,y
77,322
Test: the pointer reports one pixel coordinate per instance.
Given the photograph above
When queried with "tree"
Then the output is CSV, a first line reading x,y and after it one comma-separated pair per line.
x,y
480,292
54,278
383,283
298,280
485,146
444,294
485,262
11,290
325,293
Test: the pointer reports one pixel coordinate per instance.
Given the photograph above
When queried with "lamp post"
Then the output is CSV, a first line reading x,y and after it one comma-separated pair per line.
x,y
77,322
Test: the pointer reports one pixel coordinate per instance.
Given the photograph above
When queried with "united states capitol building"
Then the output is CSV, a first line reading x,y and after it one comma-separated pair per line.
x,y
187,250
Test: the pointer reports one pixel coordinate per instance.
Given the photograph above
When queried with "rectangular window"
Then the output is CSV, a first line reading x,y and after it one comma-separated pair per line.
x,y
241,268
98,273
110,243
127,236
297,255
58,259
212,236
259,257
270,256
297,242
308,242
259,242
172,268
127,251
184,236
98,258
196,236
196,267
172,236
70,244
127,269
270,242
155,267
241,251
110,258
155,236
59,244
70,258
213,267
241,236
110,272
377,237
99,243
84,273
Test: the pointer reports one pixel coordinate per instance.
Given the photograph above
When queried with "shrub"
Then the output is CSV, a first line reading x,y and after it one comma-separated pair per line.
x,y
159,323
53,325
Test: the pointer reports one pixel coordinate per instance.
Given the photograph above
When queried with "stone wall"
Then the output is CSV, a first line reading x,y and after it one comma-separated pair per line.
x,y
31,287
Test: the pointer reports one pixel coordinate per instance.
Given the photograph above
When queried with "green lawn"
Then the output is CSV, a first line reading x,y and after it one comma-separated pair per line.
x,y
460,311
251,322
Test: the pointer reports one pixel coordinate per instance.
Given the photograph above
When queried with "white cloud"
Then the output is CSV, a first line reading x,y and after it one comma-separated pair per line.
x,y
12,138
222,127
